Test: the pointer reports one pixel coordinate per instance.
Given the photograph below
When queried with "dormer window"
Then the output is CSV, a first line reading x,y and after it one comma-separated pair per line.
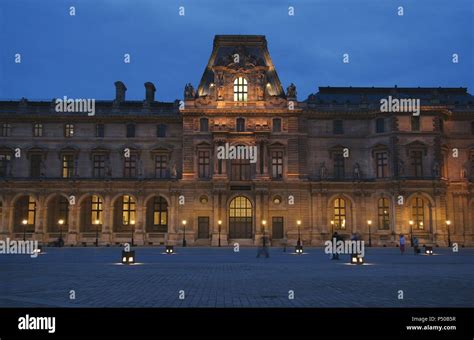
x,y
240,89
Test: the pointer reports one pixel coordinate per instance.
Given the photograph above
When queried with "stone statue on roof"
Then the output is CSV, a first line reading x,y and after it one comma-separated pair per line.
x,y
291,91
189,91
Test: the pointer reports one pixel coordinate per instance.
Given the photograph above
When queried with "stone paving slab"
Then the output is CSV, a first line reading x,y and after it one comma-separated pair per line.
x,y
219,277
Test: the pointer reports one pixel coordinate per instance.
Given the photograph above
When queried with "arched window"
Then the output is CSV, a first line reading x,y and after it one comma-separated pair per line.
x,y
128,210
340,213
240,218
240,89
25,210
157,215
418,212
58,209
96,209
383,213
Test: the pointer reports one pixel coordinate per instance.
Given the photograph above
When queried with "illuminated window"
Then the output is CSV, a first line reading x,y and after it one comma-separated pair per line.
x,y
277,164
96,209
31,210
240,218
128,210
160,214
383,213
418,212
68,166
69,130
340,213
240,89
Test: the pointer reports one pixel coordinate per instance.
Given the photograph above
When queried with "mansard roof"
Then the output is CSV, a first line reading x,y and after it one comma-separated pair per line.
x,y
104,108
372,95
255,53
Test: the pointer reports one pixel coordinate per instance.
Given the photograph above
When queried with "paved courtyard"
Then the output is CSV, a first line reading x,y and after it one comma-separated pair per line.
x,y
220,277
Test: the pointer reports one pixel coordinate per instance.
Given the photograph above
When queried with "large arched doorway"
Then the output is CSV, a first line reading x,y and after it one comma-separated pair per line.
x,y
25,214
58,211
92,214
240,218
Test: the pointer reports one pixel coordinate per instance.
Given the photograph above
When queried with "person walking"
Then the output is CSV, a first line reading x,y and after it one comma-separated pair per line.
x,y
264,248
335,254
416,249
402,244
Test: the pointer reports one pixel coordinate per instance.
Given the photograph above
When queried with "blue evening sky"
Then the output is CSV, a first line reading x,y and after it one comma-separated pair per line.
x,y
81,56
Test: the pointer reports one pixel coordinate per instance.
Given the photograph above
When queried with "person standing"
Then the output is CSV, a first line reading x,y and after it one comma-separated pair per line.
x,y
402,244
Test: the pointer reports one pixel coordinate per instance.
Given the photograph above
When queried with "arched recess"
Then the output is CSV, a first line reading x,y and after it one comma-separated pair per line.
x,y
240,218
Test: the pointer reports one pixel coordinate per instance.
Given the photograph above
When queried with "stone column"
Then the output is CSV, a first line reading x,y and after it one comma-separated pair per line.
x,y
73,224
108,220
215,218
40,222
140,219
6,226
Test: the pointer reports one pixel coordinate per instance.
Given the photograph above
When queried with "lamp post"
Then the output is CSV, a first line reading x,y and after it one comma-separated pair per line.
x,y
60,223
411,232
263,229
299,233
96,222
219,229
369,223
132,222
184,233
24,222
332,228
448,223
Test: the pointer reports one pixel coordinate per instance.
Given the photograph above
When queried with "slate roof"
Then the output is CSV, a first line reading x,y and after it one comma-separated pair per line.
x,y
226,45
372,95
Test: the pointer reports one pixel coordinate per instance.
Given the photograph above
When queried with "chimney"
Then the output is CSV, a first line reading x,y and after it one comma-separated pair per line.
x,y
149,92
120,91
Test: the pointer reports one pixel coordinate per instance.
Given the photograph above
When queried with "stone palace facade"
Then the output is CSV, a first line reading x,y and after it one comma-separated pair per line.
x,y
333,162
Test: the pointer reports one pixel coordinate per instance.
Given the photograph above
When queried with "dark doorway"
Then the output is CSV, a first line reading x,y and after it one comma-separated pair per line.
x,y
203,227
